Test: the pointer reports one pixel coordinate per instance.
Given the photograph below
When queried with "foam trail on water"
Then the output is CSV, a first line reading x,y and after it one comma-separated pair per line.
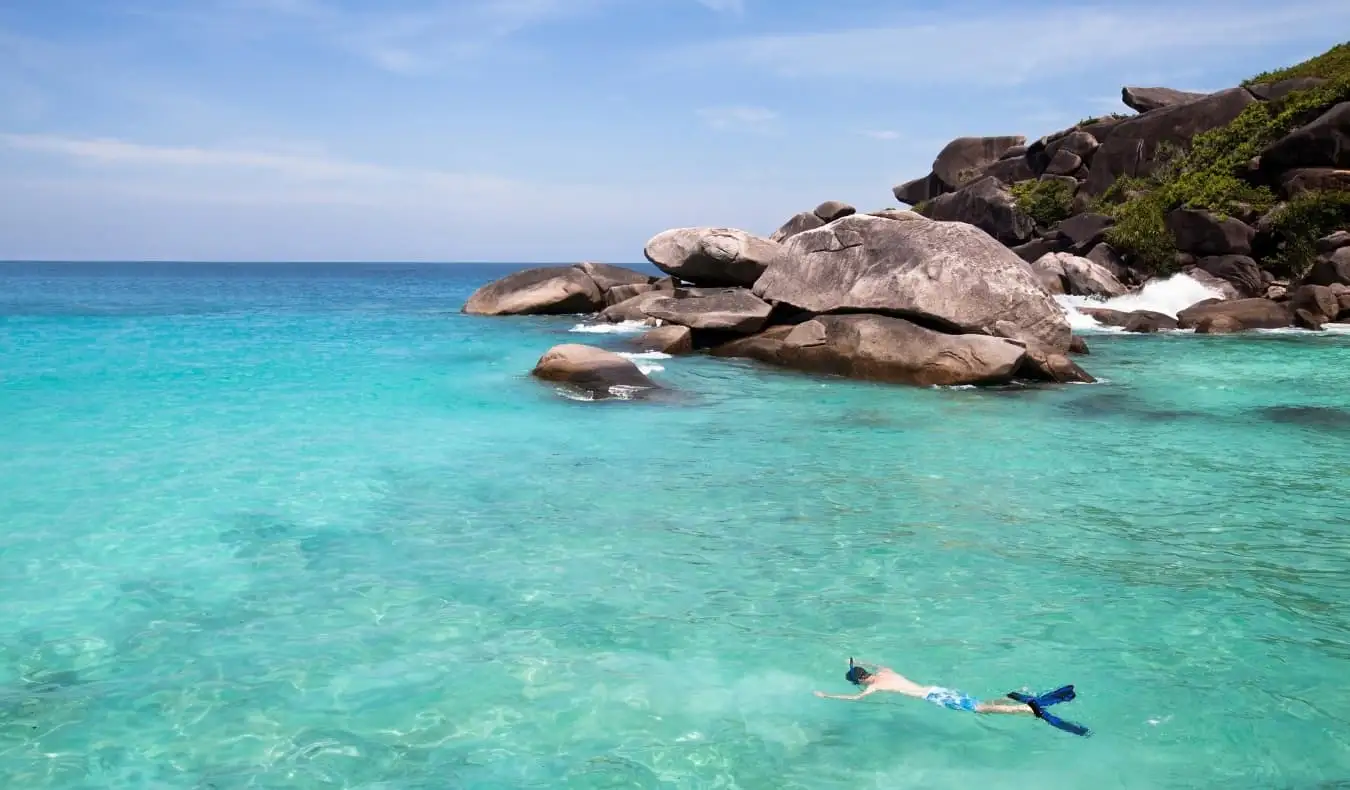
x,y
621,328
643,360
1169,296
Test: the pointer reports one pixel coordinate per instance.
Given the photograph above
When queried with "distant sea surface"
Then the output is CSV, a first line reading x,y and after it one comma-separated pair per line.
x,y
308,526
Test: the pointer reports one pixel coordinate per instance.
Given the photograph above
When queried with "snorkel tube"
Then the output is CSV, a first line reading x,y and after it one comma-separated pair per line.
x,y
856,674
1039,704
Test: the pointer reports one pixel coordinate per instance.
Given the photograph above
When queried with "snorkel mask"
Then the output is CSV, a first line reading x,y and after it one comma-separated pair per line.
x,y
856,674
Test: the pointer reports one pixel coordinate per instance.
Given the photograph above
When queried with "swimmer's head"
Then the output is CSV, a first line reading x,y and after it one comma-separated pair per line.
x,y
856,674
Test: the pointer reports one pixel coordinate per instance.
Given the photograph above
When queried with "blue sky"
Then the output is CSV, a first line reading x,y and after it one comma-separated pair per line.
x,y
544,130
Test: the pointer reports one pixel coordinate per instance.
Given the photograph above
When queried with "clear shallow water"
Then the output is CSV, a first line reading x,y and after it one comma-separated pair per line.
x,y
312,528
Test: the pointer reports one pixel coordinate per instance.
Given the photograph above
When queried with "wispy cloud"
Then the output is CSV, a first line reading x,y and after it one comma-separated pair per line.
x,y
1010,46
724,6
739,117
262,169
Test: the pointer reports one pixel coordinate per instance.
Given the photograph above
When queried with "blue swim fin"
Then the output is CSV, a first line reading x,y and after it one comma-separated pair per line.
x,y
1040,703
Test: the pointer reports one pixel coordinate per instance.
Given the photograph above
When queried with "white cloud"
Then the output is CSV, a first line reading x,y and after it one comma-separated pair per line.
x,y
881,134
738,117
1011,46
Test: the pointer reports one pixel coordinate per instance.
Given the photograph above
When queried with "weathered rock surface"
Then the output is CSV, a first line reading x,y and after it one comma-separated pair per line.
x,y
1204,233
1318,301
1323,143
1239,270
1131,145
962,160
1330,269
880,348
622,293
900,215
1147,321
1334,241
943,273
1146,99
806,220
1243,313
551,290
988,205
1079,276
1085,231
602,374
607,276
831,210
1314,179
1278,90
711,256
919,190
1213,282
667,340
632,309
732,310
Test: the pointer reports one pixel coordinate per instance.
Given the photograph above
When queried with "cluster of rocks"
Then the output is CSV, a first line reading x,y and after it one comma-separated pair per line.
x,y
889,296
963,292
972,178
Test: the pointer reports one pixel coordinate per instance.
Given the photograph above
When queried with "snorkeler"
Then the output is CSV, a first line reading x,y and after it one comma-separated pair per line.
x,y
884,679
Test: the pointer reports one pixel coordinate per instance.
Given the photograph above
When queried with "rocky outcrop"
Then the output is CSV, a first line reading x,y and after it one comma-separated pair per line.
x,y
1085,231
1131,146
622,293
1204,233
1236,315
826,212
961,160
988,205
944,274
713,257
606,277
1146,99
600,374
671,340
1318,302
881,348
1330,268
1325,142
1314,179
1078,276
1238,270
733,310
1148,322
633,309
553,290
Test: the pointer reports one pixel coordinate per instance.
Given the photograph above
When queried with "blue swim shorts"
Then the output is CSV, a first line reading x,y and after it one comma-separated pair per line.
x,y
948,698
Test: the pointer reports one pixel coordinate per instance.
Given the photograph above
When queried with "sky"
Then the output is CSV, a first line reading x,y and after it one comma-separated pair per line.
x,y
545,130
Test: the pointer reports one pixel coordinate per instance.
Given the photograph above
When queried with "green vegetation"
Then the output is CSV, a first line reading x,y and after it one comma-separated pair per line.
x,y
1300,223
921,207
1047,202
1331,64
1209,175
1115,116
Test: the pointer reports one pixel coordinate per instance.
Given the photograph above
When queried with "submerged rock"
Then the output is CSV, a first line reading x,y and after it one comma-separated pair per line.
x,y
945,274
1235,316
599,373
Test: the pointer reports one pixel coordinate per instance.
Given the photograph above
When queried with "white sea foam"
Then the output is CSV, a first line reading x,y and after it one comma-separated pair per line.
x,y
621,328
643,360
1169,297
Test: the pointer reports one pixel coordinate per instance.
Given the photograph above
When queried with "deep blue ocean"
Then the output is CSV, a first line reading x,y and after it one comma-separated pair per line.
x,y
308,526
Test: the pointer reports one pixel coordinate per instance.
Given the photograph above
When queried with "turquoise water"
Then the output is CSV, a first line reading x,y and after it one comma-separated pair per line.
x,y
310,527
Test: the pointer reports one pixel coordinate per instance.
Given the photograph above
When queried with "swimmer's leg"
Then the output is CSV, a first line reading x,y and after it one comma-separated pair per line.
x,y
1000,706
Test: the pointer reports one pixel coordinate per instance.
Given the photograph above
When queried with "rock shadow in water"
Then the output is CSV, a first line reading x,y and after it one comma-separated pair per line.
x,y
1107,404
1320,417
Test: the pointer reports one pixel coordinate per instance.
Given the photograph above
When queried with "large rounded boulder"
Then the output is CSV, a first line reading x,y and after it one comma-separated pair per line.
x,y
549,290
949,275
712,257
880,348
600,374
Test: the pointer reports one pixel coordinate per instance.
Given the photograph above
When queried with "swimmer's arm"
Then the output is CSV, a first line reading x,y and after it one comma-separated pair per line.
x,y
857,696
